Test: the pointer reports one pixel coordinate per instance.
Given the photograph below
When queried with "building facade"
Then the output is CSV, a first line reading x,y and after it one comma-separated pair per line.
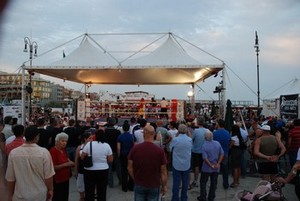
x,y
43,91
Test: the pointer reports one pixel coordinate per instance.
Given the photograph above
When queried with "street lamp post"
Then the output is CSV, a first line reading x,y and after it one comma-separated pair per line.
x,y
31,45
256,46
190,95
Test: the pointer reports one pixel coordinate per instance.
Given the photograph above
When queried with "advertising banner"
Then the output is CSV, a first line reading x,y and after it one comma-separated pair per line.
x,y
289,105
14,111
81,110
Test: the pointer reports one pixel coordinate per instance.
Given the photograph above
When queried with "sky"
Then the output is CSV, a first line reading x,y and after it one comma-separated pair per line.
x,y
224,28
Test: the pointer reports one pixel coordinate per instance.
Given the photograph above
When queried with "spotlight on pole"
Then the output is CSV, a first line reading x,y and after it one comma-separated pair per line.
x,y
256,46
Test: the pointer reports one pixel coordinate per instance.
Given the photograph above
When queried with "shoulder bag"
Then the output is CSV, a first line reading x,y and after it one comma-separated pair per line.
x,y
88,160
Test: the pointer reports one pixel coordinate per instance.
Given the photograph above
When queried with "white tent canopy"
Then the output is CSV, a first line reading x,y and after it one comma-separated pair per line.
x,y
291,87
167,64
86,55
92,64
271,103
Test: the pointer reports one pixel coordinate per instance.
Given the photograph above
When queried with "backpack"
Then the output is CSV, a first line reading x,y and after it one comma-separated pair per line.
x,y
135,128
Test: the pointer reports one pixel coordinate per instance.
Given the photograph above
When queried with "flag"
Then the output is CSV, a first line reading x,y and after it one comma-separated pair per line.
x,y
64,55
256,38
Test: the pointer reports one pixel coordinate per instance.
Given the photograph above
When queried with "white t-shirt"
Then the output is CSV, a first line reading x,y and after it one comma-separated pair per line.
x,y
172,133
236,140
131,128
100,152
298,155
139,136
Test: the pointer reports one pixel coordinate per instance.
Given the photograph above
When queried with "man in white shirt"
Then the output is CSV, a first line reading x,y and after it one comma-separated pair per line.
x,y
139,134
36,162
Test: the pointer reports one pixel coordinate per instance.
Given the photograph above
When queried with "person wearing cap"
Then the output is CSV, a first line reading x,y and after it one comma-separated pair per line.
x,y
30,170
148,168
265,148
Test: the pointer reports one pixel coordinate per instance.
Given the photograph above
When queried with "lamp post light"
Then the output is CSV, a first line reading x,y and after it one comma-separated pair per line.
x,y
190,95
218,90
32,46
256,46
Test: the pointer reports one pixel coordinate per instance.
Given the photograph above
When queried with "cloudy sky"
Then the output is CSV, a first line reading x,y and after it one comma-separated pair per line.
x,y
224,28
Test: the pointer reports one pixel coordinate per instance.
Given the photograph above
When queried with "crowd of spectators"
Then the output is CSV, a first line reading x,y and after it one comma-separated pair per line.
x,y
200,146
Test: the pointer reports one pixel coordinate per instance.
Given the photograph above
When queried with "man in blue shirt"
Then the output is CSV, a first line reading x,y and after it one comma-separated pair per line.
x,y
181,147
124,145
213,154
223,137
198,141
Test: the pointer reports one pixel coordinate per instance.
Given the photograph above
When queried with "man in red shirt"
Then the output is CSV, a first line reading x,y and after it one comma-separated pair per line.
x,y
147,166
294,141
18,131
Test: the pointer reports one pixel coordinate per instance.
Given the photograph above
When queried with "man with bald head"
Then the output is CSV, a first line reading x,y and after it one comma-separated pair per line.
x,y
213,155
147,166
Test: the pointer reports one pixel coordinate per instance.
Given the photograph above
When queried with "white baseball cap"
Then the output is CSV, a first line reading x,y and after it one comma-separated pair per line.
x,y
265,128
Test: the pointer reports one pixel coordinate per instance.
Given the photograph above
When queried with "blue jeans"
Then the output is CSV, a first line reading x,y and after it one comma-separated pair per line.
x,y
145,194
180,176
224,170
213,185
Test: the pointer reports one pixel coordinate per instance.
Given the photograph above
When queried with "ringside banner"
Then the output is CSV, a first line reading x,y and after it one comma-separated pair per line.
x,y
289,105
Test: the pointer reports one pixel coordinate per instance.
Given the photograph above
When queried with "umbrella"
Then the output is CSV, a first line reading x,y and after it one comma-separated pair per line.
x,y
228,116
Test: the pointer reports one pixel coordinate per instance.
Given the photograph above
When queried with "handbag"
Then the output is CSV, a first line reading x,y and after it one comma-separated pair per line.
x,y
88,160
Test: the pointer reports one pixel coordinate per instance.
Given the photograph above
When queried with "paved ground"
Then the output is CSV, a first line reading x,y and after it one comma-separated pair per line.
x,y
248,183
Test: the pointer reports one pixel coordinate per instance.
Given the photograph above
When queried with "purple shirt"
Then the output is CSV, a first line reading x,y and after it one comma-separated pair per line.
x,y
212,151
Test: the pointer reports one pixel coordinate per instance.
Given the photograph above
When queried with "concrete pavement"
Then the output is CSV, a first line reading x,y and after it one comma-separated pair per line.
x,y
247,183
